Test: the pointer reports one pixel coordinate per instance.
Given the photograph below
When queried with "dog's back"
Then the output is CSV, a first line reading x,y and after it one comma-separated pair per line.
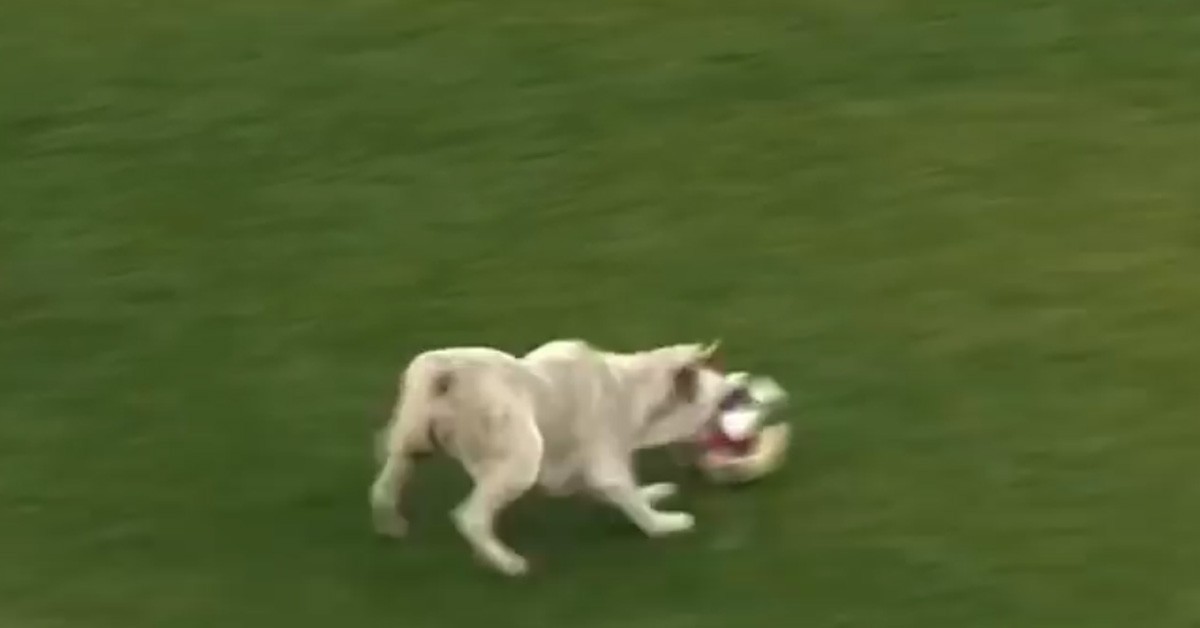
x,y
572,378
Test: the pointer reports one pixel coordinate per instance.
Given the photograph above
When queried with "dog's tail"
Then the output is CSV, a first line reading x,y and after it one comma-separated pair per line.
x,y
410,434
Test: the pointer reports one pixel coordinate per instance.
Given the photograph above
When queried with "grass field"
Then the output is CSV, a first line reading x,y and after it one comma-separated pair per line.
x,y
965,233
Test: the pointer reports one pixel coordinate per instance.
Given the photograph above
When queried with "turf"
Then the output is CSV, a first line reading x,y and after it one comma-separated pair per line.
x,y
963,232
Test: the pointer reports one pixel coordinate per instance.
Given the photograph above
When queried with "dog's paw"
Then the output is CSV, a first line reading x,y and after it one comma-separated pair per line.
x,y
668,523
655,493
512,566
390,524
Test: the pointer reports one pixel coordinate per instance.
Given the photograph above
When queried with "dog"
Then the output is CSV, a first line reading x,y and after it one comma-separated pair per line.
x,y
566,417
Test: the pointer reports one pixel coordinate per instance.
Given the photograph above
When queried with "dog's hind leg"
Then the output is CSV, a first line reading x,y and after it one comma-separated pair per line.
x,y
476,516
409,434
498,483
385,496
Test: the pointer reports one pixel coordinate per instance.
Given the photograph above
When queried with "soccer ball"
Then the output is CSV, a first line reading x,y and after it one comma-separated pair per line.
x,y
756,458
740,449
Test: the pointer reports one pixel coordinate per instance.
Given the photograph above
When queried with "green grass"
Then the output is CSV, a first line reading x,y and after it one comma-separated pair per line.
x,y
965,233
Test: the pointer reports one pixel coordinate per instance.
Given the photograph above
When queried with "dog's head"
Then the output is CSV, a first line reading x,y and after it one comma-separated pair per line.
x,y
680,389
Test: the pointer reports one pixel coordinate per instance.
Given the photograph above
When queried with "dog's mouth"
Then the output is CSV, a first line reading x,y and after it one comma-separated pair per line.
x,y
713,435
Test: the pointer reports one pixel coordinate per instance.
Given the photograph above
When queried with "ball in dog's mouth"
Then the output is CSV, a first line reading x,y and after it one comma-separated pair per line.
x,y
733,429
768,452
736,447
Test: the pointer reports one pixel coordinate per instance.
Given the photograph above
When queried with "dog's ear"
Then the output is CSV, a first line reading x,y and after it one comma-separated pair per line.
x,y
685,384
710,356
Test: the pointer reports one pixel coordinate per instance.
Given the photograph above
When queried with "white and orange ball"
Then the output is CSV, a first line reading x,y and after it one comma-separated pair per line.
x,y
741,449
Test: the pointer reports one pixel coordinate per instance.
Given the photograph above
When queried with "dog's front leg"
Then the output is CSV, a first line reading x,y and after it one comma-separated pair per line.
x,y
614,482
657,492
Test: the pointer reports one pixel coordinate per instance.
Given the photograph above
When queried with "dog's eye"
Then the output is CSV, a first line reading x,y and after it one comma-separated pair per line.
x,y
739,396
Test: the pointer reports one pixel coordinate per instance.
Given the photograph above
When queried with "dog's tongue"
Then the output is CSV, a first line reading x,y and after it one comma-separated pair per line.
x,y
718,443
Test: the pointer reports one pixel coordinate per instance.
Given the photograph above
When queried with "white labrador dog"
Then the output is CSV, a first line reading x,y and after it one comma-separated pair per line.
x,y
567,417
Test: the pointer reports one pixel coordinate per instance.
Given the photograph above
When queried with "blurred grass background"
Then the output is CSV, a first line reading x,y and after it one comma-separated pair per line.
x,y
964,233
